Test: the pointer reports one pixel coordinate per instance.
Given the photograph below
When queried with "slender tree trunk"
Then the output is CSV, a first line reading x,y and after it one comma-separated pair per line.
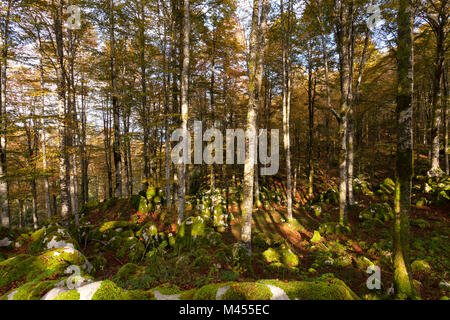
x,y
48,205
62,123
115,108
436,170
344,41
257,46
404,166
445,106
184,105
84,156
21,213
286,107
4,201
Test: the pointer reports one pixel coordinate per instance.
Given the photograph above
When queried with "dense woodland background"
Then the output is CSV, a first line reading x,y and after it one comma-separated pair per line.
x,y
86,114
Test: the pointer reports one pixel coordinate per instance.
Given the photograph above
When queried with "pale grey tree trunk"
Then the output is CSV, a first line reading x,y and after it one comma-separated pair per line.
x,y
286,92
445,106
115,107
4,201
184,106
403,282
255,68
62,123
343,38
48,206
439,24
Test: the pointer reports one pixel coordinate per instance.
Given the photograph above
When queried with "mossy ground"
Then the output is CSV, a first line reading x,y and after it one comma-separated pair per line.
x,y
138,253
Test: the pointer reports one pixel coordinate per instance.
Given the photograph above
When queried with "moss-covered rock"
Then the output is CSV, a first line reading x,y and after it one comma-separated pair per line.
x,y
420,223
209,291
332,289
51,264
271,255
247,291
316,238
113,225
421,265
33,290
51,237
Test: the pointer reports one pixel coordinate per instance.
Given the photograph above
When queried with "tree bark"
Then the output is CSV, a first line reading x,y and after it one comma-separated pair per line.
x,y
184,105
62,123
115,108
404,165
286,106
257,46
4,201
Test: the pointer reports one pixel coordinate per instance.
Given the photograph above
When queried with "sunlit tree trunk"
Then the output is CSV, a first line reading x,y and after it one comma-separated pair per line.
x,y
343,39
184,105
286,106
445,105
438,22
404,165
83,142
62,123
257,46
115,107
73,131
4,201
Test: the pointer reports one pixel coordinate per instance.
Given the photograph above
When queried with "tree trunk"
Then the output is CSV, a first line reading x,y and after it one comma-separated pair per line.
x,y
257,46
286,106
344,42
115,108
62,123
184,105
404,165
439,32
4,201
445,106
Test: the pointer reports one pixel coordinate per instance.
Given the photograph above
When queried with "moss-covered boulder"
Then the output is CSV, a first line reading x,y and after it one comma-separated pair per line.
x,y
51,237
247,291
104,290
420,223
148,233
376,212
282,256
331,289
421,266
50,265
194,232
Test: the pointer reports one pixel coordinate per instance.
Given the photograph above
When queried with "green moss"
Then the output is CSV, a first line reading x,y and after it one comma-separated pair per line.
x,y
316,237
188,295
68,295
420,223
288,258
421,265
127,270
167,289
271,255
332,289
138,295
247,291
49,265
208,292
110,225
34,290
109,291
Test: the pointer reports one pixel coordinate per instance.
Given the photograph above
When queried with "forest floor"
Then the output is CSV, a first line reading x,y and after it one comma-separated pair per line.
x,y
142,249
